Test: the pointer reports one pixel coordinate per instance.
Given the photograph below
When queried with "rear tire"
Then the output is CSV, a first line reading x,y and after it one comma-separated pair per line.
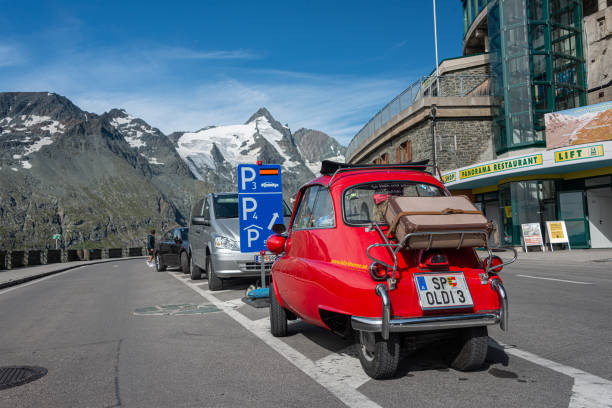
x,y
184,262
214,282
159,264
195,271
278,316
379,358
471,348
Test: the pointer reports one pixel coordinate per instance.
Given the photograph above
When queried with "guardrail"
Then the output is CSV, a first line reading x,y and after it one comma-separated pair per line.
x,y
447,85
32,257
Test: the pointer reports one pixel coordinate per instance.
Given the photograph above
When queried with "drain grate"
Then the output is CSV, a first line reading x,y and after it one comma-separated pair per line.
x,y
14,376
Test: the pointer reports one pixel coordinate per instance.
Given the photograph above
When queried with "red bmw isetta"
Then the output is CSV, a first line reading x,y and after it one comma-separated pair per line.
x,y
349,263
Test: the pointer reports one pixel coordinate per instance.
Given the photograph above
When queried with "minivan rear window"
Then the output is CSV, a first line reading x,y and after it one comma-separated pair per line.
x,y
226,206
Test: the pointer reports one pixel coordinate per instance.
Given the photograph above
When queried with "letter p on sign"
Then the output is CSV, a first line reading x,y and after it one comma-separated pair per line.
x,y
247,179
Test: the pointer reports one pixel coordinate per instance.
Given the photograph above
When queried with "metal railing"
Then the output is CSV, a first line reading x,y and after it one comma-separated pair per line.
x,y
449,85
12,259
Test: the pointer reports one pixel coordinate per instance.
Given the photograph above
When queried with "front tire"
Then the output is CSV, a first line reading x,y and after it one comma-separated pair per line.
x,y
159,264
195,271
470,349
379,358
214,282
278,316
184,262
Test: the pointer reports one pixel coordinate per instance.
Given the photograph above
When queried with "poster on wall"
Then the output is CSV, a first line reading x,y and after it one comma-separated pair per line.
x,y
587,124
557,233
532,235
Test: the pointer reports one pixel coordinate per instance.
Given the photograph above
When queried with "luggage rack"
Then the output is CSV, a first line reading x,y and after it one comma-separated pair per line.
x,y
334,169
394,249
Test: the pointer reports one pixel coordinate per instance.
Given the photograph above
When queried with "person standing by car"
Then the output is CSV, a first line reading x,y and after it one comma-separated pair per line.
x,y
150,247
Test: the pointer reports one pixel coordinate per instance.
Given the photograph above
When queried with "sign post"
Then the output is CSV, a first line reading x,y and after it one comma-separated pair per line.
x,y
532,235
260,206
557,234
56,237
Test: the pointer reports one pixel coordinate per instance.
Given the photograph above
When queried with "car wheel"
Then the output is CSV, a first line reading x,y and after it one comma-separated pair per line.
x,y
159,264
278,316
470,349
379,358
214,282
195,271
184,262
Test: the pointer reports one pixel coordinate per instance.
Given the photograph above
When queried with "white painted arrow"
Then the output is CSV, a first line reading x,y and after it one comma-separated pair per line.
x,y
274,218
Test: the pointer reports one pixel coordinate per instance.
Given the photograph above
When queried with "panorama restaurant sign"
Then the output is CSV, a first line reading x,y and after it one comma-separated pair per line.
x,y
502,165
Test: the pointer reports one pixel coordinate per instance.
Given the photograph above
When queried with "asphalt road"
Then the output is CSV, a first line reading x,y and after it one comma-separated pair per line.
x,y
121,334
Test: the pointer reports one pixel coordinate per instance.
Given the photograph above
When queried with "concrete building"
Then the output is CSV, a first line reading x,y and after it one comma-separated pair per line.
x,y
509,122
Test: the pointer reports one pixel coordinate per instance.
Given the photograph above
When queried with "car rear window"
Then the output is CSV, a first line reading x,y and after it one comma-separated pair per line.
x,y
226,206
358,201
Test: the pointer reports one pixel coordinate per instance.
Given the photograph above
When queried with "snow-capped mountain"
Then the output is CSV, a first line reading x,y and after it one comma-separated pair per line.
x,y
213,153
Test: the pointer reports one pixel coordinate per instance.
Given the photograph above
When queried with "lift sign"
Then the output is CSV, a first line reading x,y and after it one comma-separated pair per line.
x,y
260,204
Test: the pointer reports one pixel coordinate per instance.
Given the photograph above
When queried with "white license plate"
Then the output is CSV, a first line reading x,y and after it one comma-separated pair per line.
x,y
442,290
267,258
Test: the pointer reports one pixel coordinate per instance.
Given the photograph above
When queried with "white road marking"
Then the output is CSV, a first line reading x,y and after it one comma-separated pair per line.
x,y
345,366
338,386
553,279
589,391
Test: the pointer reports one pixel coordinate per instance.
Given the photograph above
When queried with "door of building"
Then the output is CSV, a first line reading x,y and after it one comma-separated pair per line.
x,y
492,213
599,202
571,210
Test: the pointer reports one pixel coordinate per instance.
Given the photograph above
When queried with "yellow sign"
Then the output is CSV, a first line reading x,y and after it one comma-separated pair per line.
x,y
508,210
502,165
556,230
579,153
449,177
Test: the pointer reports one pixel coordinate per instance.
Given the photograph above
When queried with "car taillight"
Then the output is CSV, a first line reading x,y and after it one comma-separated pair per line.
x,y
378,272
495,260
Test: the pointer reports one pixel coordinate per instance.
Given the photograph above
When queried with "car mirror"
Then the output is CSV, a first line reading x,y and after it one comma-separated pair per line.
x,y
276,244
279,228
199,221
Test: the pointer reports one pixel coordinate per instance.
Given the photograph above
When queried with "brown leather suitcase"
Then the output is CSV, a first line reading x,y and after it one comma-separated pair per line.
x,y
446,217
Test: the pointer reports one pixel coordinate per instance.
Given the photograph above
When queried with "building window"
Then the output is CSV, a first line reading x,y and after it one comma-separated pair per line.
x,y
384,159
403,152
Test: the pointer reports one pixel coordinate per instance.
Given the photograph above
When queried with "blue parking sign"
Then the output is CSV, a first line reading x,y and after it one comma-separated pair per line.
x,y
260,204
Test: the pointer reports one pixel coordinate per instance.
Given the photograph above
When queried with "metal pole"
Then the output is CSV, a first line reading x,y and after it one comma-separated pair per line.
x,y
262,259
436,46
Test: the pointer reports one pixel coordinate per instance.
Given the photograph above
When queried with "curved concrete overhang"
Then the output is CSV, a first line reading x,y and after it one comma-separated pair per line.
x,y
446,107
479,23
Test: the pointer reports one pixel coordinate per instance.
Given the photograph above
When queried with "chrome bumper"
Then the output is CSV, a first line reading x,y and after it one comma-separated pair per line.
x,y
387,325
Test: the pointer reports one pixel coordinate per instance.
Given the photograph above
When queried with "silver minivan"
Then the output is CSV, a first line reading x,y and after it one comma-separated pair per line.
x,y
214,240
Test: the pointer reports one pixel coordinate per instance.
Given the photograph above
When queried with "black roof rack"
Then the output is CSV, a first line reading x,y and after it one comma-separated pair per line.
x,y
330,168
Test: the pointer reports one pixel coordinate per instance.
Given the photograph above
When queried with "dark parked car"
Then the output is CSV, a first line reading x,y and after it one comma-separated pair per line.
x,y
172,250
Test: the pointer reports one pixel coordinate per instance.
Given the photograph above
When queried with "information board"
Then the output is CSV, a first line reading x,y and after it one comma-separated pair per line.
x,y
532,235
260,204
557,233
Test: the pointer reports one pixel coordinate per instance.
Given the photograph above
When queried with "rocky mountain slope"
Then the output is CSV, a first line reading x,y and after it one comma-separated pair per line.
x,y
94,179
104,180
213,153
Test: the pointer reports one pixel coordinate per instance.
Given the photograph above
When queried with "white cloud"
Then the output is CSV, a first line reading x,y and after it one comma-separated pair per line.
x,y
10,56
186,53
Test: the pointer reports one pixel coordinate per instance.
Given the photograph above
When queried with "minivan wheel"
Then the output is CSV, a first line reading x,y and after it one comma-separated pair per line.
x,y
379,358
159,265
278,316
470,349
214,282
195,271
184,262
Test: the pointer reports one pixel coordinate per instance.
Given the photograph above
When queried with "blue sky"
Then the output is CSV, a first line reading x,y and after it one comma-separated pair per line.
x,y
326,65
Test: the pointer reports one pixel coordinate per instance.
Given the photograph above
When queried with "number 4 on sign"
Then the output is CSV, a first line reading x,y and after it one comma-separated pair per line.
x,y
273,221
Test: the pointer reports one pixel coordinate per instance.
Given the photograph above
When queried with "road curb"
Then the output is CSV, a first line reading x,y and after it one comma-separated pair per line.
x,y
19,281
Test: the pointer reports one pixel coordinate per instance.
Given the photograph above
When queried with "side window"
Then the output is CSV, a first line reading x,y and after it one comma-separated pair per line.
x,y
323,213
206,211
197,208
168,236
304,216
177,235
316,210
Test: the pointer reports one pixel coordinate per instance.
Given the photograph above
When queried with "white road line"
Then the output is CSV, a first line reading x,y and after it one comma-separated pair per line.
x,y
340,387
345,366
553,279
589,391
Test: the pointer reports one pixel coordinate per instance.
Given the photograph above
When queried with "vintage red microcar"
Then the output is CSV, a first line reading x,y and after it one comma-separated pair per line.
x,y
341,266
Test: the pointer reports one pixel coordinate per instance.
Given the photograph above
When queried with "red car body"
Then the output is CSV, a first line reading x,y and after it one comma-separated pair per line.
x,y
323,276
